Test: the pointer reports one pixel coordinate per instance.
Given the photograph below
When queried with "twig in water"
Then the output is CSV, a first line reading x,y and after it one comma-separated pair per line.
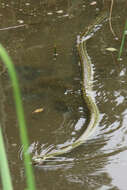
x,y
12,27
110,16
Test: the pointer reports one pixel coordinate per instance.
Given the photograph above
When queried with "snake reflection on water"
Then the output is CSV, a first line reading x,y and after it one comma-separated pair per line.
x,y
87,78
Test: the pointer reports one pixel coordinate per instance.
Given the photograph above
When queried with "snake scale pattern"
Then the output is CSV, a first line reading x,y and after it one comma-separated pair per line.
x,y
87,79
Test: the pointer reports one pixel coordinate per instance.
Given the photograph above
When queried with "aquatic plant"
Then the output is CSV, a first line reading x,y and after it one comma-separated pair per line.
x,y
22,129
122,41
4,169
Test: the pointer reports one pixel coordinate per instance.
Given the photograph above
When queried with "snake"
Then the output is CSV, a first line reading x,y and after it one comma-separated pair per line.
x,y
87,92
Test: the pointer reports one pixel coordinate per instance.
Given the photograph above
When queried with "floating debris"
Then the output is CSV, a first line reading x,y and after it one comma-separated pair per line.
x,y
38,110
111,49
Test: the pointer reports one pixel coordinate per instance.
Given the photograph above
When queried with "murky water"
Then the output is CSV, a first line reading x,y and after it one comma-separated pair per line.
x,y
44,52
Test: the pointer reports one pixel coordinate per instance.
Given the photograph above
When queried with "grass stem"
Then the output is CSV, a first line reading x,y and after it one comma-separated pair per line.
x,y
4,169
20,115
123,40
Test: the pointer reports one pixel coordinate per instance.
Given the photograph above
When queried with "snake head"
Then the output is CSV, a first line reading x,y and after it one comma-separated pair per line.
x,y
38,160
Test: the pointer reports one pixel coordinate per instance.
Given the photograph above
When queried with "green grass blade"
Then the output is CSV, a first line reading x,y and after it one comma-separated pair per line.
x,y
123,40
20,114
4,169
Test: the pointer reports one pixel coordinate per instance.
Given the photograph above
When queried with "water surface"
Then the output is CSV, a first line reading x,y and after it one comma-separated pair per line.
x,y
41,38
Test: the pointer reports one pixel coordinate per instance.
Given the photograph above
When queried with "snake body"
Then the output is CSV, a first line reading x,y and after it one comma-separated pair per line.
x,y
87,78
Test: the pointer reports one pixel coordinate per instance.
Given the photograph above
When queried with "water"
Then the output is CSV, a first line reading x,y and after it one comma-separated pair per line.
x,y
44,52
